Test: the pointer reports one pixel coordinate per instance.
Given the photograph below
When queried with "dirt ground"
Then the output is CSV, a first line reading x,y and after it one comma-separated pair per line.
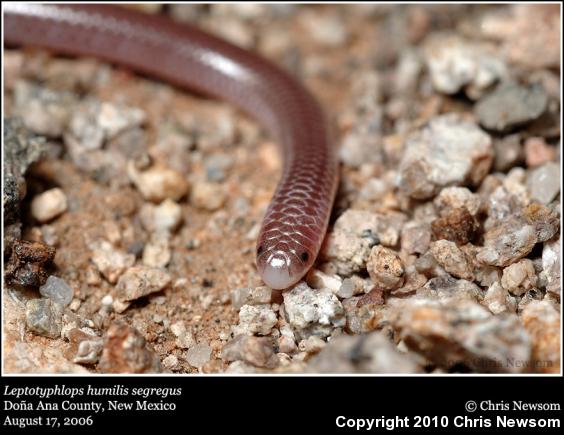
x,y
370,67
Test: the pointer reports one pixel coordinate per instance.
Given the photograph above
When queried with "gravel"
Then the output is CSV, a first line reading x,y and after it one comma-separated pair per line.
x,y
449,151
57,290
44,317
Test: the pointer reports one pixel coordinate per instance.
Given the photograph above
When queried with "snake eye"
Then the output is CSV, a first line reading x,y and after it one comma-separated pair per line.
x,y
304,256
260,249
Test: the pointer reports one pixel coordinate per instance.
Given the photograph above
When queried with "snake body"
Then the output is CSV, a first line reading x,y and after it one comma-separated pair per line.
x,y
296,220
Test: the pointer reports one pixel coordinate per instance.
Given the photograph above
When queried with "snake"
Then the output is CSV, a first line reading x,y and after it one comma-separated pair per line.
x,y
296,220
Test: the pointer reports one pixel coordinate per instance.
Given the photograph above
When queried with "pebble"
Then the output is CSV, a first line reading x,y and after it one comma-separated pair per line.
x,y
498,300
311,344
529,34
385,268
158,182
139,281
455,63
544,182
457,225
415,237
445,287
287,345
157,253
312,312
511,105
354,233
368,353
542,321
48,205
250,296
351,287
455,332
86,348
551,261
162,218
110,261
318,280
508,152
452,259
538,152
448,151
257,351
327,29
57,290
458,197
44,317
171,362
519,277
184,338
256,319
198,355
125,351
93,123
208,196
43,111
507,243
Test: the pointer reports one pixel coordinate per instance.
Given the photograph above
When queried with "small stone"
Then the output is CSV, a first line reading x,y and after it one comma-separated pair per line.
x,y
551,261
317,279
538,152
49,205
158,182
198,355
542,321
139,281
448,151
125,351
312,312
163,218
86,348
43,111
368,353
208,196
519,277
455,63
498,300
29,263
511,105
57,290
171,362
311,344
157,253
111,262
507,243
415,237
256,319
545,220
287,345
257,351
44,317
325,28
452,332
185,339
457,226
355,232
508,152
446,287
458,197
452,259
386,268
350,287
544,182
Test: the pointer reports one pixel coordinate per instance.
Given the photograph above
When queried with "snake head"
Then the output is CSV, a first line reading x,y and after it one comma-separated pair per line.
x,y
282,266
